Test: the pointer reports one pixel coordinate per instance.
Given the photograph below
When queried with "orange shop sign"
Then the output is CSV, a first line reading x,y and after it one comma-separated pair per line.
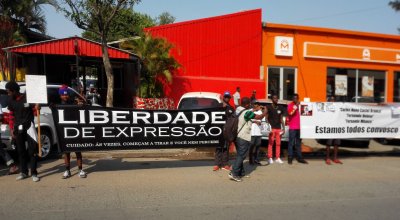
x,y
351,53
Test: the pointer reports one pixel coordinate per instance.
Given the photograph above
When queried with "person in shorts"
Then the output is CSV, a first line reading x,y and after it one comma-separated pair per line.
x,y
332,142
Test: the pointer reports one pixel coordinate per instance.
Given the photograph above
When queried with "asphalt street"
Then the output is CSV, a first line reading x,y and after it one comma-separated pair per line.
x,y
146,188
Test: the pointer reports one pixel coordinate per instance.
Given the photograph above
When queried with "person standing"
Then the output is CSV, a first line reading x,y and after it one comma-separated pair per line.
x,y
332,142
22,121
222,152
255,136
243,139
253,97
63,91
236,97
294,130
275,118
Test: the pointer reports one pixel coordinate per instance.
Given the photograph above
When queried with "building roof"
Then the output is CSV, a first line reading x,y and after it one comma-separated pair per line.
x,y
333,31
65,46
197,21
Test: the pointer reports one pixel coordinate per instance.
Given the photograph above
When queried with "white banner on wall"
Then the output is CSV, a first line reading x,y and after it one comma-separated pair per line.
x,y
325,120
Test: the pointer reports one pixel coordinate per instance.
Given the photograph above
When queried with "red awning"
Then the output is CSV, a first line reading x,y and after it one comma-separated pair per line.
x,y
66,47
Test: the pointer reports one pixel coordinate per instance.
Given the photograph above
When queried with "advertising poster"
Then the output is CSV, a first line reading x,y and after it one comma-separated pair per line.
x,y
351,120
367,89
91,128
340,85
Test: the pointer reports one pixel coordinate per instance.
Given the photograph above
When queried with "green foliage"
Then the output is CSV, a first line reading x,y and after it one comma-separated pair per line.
x,y
125,24
395,4
25,14
158,66
165,18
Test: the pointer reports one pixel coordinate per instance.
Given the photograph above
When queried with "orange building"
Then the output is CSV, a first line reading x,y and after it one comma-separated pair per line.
x,y
320,62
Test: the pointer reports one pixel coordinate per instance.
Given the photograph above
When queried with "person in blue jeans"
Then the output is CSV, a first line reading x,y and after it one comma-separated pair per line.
x,y
243,140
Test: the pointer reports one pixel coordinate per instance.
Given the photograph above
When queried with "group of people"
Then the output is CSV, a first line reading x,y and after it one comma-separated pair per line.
x,y
252,121
24,133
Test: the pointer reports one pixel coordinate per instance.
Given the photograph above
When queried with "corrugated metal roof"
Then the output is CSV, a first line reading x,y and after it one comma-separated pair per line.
x,y
65,46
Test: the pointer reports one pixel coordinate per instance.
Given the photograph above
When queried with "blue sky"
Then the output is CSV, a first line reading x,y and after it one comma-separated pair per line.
x,y
360,15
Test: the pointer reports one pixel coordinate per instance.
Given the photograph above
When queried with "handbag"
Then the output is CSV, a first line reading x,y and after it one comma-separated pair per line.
x,y
265,128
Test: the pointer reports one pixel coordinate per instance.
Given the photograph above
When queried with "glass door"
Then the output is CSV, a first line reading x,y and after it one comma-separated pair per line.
x,y
282,81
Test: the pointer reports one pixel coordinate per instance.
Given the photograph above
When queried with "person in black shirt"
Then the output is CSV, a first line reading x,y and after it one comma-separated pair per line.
x,y
63,91
275,113
222,152
23,121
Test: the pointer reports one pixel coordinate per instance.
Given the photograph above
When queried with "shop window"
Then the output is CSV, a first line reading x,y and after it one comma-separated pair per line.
x,y
396,87
353,85
282,82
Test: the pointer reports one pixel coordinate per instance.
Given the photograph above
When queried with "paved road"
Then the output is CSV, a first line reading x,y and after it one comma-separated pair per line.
x,y
133,188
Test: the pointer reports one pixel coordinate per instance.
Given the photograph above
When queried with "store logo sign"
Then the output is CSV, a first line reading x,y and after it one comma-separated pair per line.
x,y
366,54
283,46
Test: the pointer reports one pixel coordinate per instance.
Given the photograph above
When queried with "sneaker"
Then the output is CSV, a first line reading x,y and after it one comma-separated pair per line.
x,y
328,162
257,162
82,174
13,170
301,160
21,176
270,161
215,168
337,161
35,178
245,176
278,161
290,160
67,174
227,168
234,178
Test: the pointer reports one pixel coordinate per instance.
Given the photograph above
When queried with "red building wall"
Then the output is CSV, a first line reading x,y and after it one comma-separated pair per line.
x,y
216,54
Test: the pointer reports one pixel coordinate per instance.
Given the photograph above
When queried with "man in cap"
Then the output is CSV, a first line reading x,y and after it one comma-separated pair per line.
x,y
63,91
222,152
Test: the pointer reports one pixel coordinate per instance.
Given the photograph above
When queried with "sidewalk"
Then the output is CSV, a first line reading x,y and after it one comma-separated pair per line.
x,y
311,149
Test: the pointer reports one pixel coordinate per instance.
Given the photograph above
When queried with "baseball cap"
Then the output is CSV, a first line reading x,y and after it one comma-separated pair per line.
x,y
63,90
227,94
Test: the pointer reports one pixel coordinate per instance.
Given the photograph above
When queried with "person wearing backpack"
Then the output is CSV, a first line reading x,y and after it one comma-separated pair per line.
x,y
243,137
222,152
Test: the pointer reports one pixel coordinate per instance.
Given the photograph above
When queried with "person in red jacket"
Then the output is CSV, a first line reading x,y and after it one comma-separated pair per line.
x,y
23,130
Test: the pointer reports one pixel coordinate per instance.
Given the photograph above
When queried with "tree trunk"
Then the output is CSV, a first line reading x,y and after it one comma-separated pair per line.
x,y
109,73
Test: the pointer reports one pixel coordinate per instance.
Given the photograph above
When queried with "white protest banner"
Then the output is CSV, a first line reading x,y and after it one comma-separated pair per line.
x,y
36,89
325,120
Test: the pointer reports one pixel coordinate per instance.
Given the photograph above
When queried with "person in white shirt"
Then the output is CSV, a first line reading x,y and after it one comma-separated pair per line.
x,y
255,136
236,97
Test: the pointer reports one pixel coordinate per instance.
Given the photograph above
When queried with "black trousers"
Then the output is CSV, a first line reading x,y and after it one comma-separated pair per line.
x,y
222,155
27,152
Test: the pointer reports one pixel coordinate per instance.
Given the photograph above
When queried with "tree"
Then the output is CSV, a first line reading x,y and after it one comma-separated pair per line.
x,y
158,66
97,16
395,4
16,18
129,23
165,18
125,24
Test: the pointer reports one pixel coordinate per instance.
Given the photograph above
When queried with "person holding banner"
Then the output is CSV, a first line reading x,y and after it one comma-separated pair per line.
x,y
294,130
222,152
65,100
332,142
243,140
23,130
275,118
